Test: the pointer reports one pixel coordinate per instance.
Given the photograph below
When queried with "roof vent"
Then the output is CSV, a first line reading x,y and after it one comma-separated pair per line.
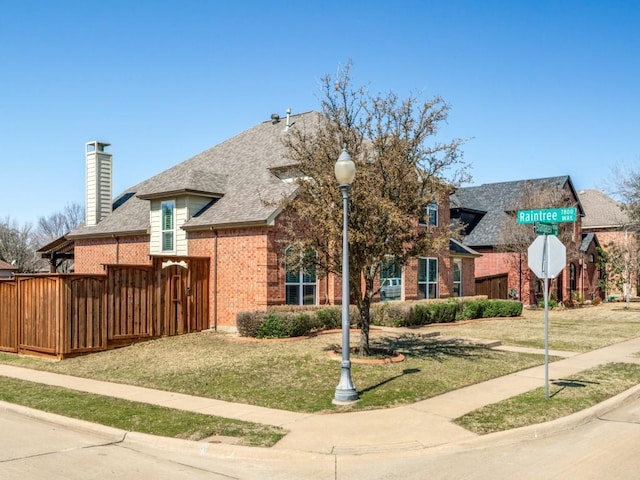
x,y
275,118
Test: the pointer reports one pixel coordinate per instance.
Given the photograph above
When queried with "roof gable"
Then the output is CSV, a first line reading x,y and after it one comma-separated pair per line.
x,y
601,211
491,206
7,266
237,171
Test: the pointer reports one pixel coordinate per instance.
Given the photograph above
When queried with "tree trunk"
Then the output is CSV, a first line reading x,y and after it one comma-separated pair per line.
x,y
365,315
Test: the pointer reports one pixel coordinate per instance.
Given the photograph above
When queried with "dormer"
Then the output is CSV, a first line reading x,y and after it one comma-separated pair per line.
x,y
172,202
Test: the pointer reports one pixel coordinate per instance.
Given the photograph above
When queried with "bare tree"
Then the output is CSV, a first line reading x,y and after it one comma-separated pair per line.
x,y
400,170
60,223
17,246
628,188
57,225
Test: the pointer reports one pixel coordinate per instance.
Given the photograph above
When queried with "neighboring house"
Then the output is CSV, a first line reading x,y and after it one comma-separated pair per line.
x,y
222,205
487,213
7,270
59,253
610,223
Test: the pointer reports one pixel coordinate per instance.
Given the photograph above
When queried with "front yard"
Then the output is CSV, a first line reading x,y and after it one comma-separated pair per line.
x,y
299,375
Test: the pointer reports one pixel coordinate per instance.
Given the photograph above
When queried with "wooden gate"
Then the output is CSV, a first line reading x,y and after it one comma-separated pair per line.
x,y
182,295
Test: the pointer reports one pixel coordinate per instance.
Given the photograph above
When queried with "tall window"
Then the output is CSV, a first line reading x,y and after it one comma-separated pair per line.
x,y
428,277
390,280
168,225
430,215
300,282
457,277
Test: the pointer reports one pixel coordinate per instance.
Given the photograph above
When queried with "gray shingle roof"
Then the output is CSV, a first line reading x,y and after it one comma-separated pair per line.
x,y
493,202
587,238
601,211
236,170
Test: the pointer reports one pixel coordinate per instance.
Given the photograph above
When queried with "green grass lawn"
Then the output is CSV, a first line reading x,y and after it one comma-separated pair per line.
x,y
566,396
299,375
135,416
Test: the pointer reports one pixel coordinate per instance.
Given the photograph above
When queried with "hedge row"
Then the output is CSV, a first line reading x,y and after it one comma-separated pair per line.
x,y
283,322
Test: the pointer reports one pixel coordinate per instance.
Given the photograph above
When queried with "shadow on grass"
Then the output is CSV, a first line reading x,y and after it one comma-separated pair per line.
x,y
565,383
406,371
419,346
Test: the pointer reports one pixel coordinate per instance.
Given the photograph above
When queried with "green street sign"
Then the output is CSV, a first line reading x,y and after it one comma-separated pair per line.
x,y
550,215
546,228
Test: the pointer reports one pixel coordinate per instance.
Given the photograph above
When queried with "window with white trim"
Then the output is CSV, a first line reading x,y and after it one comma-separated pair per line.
x,y
457,277
430,215
300,281
168,209
428,277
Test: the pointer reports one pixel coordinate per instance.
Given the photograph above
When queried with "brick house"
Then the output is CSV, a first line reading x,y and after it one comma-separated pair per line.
x,y
609,222
222,205
488,211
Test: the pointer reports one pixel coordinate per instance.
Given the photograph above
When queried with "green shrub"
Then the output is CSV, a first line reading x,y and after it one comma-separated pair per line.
x,y
471,309
285,325
502,308
272,327
327,319
284,321
428,313
389,314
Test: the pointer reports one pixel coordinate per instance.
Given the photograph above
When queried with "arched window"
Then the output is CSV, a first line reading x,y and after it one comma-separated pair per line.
x,y
300,280
572,277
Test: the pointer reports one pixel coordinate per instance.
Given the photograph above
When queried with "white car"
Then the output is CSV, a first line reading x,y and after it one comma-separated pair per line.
x,y
391,289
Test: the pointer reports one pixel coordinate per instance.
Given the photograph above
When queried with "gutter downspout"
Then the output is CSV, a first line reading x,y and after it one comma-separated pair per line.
x,y
117,248
215,280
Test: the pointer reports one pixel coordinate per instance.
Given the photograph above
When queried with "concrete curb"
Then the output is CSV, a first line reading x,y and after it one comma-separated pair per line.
x,y
552,427
220,450
111,434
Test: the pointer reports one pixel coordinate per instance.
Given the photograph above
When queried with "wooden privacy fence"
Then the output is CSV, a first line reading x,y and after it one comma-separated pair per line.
x,y
494,286
64,315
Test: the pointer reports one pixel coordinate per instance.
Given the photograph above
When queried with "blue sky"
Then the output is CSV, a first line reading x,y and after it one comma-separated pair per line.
x,y
539,88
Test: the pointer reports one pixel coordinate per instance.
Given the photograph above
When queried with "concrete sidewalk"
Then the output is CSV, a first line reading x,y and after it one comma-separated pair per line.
x,y
417,426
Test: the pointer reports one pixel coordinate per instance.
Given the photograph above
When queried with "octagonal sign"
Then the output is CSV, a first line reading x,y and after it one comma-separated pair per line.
x,y
547,256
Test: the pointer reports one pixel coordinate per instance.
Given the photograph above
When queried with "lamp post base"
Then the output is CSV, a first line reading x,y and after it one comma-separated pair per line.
x,y
345,391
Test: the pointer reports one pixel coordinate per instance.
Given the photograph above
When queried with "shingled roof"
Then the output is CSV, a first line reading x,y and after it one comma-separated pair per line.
x,y
487,209
7,266
236,174
601,211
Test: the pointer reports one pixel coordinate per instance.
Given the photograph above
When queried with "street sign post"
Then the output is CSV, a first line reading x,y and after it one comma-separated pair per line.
x,y
547,257
550,215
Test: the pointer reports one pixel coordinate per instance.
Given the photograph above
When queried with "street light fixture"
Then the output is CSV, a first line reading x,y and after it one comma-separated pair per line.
x,y
345,170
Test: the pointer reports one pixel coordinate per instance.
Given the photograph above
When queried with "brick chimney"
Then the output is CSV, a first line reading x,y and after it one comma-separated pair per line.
x,y
98,182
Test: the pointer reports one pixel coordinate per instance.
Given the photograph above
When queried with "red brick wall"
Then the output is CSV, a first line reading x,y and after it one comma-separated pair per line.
x,y
92,254
468,276
239,278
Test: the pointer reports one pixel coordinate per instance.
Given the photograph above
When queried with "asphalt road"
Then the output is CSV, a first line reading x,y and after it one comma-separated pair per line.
x,y
31,448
